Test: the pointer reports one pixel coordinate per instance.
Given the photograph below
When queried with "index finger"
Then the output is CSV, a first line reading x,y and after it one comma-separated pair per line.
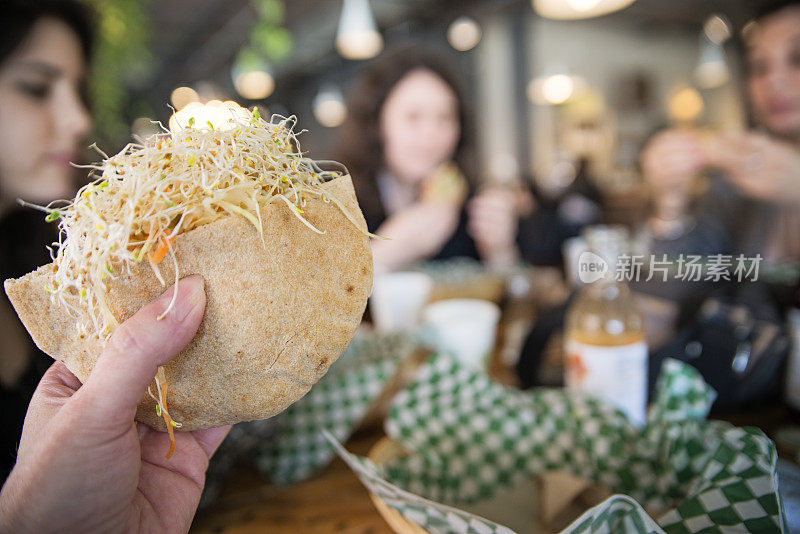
x,y
729,151
211,438
56,386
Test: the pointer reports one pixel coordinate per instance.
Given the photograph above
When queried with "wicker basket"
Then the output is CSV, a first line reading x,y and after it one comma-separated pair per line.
x,y
383,451
584,496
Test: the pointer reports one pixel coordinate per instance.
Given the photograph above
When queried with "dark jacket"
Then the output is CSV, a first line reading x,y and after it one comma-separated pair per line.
x,y
24,236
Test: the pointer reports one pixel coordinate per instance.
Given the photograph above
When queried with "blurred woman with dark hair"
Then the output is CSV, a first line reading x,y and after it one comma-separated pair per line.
x,y
757,199
45,48
407,143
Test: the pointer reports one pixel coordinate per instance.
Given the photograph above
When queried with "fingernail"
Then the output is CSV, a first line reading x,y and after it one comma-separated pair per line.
x,y
190,293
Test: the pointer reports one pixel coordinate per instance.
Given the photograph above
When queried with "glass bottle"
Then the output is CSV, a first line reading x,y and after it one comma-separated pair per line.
x,y
792,390
605,346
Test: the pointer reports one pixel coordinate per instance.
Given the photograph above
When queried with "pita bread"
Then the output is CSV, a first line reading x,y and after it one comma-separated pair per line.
x,y
275,319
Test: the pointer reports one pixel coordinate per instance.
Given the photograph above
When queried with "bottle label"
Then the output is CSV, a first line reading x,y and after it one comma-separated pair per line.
x,y
793,367
616,374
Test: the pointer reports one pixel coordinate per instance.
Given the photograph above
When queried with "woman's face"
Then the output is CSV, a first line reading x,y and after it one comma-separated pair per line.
x,y
419,125
773,58
42,117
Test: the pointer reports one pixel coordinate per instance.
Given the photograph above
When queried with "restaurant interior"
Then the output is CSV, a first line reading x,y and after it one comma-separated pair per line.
x,y
581,225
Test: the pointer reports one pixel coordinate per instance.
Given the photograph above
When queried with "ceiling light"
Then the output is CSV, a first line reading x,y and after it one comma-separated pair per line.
x,y
183,96
464,34
577,9
717,28
558,88
748,29
357,36
554,89
712,70
254,84
329,107
583,5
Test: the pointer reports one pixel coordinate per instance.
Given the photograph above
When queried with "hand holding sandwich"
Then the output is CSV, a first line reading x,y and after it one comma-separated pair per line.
x,y
761,167
84,465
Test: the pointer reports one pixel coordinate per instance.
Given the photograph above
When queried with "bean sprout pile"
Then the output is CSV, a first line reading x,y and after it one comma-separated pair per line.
x,y
214,161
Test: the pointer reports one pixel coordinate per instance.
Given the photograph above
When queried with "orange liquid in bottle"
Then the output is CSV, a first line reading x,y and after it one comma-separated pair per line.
x,y
605,347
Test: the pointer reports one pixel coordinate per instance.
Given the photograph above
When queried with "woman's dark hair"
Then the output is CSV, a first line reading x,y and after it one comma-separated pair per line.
x,y
764,10
23,231
360,146
774,6
19,16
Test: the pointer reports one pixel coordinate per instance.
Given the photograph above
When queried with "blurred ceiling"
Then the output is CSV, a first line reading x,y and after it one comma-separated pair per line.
x,y
194,40
197,39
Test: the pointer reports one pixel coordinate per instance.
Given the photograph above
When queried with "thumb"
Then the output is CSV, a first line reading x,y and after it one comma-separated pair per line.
x,y
132,355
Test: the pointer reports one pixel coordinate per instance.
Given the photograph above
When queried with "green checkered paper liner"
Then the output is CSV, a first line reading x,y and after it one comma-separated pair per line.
x,y
337,403
453,270
290,447
470,437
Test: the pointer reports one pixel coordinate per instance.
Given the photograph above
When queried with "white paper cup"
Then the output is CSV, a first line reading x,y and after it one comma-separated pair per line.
x,y
571,250
397,299
465,328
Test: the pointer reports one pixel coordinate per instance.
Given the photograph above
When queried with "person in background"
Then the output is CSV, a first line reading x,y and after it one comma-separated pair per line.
x,y
407,145
44,50
732,194
563,202
753,202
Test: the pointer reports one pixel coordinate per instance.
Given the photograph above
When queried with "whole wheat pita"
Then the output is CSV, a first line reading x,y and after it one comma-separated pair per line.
x,y
276,316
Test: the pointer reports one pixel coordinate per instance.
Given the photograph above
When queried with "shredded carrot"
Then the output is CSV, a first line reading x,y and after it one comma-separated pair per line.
x,y
167,418
162,249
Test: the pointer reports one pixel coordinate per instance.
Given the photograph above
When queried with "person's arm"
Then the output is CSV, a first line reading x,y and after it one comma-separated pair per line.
x,y
416,233
419,230
671,161
493,221
84,464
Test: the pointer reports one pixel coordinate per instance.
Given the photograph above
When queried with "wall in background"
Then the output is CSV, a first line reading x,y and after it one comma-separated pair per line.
x,y
611,54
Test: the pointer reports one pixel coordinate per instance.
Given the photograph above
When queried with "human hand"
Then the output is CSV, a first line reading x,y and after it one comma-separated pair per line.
x,y
670,162
413,234
84,465
761,167
493,225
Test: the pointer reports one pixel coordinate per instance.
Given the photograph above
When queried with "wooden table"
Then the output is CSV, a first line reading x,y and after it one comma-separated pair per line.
x,y
332,501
